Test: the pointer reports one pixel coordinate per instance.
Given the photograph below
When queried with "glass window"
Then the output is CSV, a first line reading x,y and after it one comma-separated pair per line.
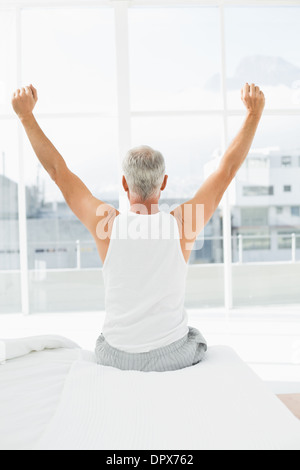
x,y
268,248
7,58
10,293
250,191
189,144
255,216
255,240
57,240
191,147
174,58
259,161
10,296
285,239
269,57
295,211
69,55
286,161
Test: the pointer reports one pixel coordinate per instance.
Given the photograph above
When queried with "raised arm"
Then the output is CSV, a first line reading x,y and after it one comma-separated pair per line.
x,y
80,200
211,192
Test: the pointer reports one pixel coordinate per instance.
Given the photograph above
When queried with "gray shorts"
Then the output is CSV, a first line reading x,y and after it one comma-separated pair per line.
x,y
186,352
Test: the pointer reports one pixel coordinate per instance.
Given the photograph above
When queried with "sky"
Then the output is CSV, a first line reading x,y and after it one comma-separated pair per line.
x,y
69,55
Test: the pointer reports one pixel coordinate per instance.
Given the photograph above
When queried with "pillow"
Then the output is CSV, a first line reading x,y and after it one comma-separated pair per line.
x,y
12,348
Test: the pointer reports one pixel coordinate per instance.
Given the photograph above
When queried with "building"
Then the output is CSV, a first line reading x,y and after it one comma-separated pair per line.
x,y
265,200
56,239
265,205
8,198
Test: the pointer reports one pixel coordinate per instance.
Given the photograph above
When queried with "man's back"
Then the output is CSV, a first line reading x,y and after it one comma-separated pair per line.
x,y
144,274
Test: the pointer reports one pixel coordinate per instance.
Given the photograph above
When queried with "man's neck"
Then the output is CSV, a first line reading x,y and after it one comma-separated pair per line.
x,y
148,207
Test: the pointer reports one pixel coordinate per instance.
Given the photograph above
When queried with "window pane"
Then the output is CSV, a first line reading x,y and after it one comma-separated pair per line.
x,y
268,57
70,57
258,191
59,246
9,224
295,211
7,58
174,58
264,224
188,145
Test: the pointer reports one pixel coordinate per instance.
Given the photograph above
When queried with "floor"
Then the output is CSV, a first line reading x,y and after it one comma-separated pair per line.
x,y
268,341
292,401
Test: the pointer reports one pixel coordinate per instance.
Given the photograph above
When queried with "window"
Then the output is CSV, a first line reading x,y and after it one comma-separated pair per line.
x,y
253,241
274,63
10,294
80,103
89,147
8,70
259,251
285,240
73,46
176,103
295,211
286,162
10,289
255,216
257,162
175,58
253,191
187,143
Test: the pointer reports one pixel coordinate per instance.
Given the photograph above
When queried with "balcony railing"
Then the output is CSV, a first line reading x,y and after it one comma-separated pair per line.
x,y
282,243
67,276
83,254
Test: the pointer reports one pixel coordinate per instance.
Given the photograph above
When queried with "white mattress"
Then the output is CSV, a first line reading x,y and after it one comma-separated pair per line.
x,y
61,399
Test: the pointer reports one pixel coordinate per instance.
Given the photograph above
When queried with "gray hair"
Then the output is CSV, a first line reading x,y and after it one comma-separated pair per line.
x,y
144,170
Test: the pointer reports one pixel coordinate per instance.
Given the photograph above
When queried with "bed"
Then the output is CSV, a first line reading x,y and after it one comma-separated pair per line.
x,y
60,399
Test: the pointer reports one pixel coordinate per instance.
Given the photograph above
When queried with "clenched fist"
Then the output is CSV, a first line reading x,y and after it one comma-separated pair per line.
x,y
253,98
24,101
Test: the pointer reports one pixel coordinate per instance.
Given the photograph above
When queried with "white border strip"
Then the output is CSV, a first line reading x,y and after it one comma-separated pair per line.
x,y
155,3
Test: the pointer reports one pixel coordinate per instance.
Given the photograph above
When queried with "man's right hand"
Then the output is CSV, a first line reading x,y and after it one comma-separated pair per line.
x,y
254,99
24,101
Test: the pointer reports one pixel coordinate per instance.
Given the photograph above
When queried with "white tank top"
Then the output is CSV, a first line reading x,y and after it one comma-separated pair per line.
x,y
144,276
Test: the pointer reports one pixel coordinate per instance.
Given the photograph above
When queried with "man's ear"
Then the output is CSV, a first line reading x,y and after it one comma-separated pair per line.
x,y
125,185
164,183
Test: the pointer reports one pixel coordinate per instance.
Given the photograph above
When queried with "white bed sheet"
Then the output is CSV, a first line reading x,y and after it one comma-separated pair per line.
x,y
218,404
30,391
62,399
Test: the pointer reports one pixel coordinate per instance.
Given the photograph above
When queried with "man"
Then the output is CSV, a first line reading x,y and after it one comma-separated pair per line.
x,y
146,325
